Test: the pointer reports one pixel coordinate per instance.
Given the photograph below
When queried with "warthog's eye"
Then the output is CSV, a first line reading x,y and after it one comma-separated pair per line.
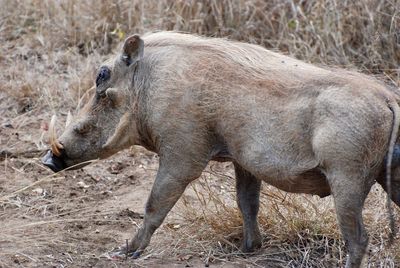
x,y
103,75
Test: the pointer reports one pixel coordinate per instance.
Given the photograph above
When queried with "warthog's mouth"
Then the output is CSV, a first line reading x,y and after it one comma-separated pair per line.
x,y
55,163
58,163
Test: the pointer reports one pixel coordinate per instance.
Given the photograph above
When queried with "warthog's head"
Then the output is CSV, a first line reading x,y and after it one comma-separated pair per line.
x,y
105,125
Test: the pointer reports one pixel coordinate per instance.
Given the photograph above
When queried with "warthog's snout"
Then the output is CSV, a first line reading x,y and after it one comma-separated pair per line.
x,y
55,163
58,163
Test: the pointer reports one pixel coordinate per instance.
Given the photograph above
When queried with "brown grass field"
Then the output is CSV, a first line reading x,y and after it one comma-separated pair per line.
x,y
48,53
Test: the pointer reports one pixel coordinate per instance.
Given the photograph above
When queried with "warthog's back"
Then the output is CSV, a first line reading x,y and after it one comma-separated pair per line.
x,y
257,62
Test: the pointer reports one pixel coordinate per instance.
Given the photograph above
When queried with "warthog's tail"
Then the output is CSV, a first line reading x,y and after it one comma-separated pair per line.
x,y
394,107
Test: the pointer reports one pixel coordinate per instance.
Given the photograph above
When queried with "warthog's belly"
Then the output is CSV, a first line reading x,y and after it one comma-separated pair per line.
x,y
310,182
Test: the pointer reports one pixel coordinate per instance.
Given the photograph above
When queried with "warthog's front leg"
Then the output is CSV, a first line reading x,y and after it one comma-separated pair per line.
x,y
164,194
170,183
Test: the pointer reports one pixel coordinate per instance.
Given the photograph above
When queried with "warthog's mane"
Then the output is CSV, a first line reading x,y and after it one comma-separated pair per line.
x,y
281,72
257,62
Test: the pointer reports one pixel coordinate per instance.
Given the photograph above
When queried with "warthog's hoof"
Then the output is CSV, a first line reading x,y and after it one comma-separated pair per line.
x,y
118,254
136,254
253,244
121,253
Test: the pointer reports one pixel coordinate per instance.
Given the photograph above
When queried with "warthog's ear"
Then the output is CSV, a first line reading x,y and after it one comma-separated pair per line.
x,y
132,51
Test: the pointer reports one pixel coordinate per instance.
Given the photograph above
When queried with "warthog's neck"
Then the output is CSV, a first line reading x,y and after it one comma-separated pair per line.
x,y
145,136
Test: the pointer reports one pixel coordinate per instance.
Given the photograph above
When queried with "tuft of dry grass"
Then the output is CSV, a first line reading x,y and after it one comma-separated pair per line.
x,y
49,53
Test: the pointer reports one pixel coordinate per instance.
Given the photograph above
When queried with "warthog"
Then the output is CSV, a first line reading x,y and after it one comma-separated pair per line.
x,y
298,127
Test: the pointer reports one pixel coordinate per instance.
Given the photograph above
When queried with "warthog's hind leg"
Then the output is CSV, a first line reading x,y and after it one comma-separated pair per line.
x,y
349,197
248,195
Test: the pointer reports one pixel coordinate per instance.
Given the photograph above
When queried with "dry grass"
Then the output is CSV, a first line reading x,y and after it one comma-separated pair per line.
x,y
49,51
298,230
363,34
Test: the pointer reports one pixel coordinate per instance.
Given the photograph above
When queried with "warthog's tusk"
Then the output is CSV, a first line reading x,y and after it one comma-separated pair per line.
x,y
56,146
69,119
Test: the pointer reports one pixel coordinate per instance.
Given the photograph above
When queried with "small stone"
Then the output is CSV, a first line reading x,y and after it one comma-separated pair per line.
x,y
83,185
8,125
38,190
